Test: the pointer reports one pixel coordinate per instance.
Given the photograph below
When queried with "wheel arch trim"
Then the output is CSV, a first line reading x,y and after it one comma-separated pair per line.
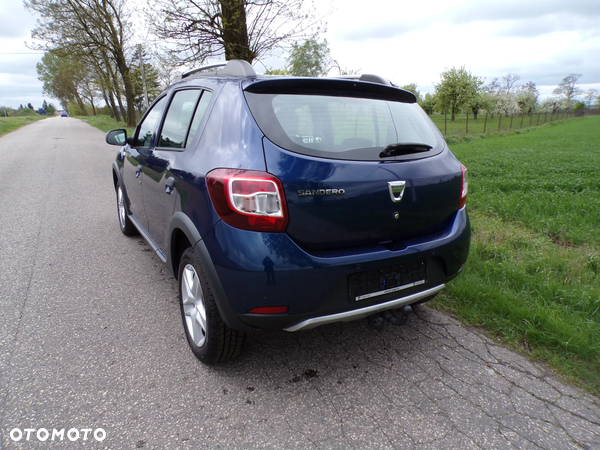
x,y
182,222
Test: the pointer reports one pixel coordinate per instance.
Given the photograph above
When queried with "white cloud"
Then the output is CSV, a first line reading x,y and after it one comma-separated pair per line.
x,y
541,40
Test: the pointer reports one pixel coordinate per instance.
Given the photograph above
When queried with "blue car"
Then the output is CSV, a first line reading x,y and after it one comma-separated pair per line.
x,y
288,203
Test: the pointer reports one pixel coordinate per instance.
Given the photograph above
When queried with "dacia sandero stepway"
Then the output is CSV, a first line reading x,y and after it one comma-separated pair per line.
x,y
288,203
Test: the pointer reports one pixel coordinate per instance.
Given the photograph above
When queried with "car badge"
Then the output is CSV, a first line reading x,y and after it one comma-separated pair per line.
x,y
396,190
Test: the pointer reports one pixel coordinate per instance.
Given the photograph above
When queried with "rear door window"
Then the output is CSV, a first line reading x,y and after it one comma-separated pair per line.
x,y
183,118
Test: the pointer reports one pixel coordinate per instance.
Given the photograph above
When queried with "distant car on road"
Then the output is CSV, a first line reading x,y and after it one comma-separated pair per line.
x,y
287,203
63,114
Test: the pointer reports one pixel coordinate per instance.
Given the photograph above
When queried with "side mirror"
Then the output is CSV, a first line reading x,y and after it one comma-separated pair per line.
x,y
116,137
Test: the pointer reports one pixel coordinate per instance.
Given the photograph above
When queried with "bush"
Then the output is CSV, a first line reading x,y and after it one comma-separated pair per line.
x,y
25,112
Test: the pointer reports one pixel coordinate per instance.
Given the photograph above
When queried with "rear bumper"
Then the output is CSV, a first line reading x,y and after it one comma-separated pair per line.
x,y
361,313
269,269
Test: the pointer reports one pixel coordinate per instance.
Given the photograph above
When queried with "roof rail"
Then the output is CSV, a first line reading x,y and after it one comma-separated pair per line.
x,y
201,69
232,68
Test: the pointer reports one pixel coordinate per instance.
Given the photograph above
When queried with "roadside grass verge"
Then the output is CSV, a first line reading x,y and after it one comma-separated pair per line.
x,y
8,124
106,123
533,274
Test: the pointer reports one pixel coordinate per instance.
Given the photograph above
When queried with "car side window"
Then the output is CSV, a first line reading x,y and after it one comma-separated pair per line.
x,y
178,118
199,114
148,125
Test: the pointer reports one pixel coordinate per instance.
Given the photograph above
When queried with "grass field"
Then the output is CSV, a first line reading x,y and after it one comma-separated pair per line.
x,y
8,124
533,274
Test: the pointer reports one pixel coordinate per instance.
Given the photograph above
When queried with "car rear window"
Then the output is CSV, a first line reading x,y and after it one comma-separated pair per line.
x,y
342,127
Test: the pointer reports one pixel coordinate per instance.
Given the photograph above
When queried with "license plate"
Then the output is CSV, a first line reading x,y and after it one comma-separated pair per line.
x,y
373,283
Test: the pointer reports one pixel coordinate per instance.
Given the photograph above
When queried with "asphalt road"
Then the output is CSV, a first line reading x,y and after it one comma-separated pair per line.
x,y
91,339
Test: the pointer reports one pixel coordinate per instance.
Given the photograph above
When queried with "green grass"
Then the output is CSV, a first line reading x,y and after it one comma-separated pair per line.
x,y
533,274
8,124
106,123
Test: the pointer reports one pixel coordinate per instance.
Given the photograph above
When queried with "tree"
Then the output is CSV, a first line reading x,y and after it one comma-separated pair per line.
x,y
92,30
509,81
311,59
62,75
344,70
168,67
506,103
428,103
283,71
567,89
482,100
412,87
527,97
456,89
551,104
236,29
589,96
50,109
153,87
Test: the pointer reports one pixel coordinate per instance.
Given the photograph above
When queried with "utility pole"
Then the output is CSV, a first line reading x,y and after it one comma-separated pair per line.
x,y
143,77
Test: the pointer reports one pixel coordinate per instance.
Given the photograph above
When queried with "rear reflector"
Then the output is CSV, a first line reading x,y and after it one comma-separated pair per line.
x,y
269,310
464,187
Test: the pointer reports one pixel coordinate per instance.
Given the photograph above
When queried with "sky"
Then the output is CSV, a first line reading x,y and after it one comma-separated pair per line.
x,y
404,41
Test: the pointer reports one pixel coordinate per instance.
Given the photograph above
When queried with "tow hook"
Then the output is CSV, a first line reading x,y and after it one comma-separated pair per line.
x,y
377,321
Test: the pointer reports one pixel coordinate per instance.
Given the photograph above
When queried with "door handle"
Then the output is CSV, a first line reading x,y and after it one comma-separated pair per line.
x,y
170,185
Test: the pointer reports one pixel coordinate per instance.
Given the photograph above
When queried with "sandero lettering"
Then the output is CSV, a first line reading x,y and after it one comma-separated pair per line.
x,y
44,434
316,192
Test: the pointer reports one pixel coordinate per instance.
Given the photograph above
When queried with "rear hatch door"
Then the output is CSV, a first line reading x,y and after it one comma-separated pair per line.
x,y
360,163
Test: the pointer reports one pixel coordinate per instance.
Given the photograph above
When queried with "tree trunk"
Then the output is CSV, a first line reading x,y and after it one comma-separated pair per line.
x,y
123,69
235,31
81,104
113,106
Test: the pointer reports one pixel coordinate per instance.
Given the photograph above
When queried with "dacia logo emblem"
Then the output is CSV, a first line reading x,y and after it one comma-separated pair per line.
x,y
396,190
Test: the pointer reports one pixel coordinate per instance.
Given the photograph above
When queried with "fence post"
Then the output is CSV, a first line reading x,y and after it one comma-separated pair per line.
x,y
485,123
445,125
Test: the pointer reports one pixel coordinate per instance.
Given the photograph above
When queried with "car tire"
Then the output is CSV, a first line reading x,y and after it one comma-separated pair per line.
x,y
125,223
210,339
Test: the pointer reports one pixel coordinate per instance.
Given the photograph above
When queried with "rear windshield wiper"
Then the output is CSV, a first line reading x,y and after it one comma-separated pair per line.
x,y
404,149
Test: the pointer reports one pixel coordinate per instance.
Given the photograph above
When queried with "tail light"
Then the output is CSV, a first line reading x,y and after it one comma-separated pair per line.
x,y
464,187
248,199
